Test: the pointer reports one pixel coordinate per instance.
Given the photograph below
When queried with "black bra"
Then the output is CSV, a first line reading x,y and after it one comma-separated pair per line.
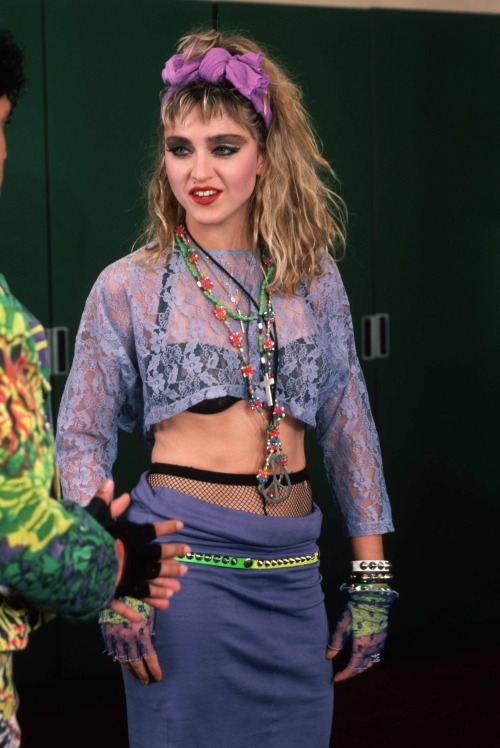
x,y
214,405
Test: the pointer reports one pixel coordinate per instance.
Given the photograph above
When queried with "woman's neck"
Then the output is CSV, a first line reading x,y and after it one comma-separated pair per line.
x,y
219,237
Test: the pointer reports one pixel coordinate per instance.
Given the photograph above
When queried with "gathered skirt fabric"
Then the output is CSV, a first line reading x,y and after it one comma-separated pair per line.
x,y
242,651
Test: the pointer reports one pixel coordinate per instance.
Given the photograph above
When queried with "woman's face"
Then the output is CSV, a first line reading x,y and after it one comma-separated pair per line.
x,y
212,168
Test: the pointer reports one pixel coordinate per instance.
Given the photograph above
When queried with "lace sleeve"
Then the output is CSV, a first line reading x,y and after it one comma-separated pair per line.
x,y
102,391
345,427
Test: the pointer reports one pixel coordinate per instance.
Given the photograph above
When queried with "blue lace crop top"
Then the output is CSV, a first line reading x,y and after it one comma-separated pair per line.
x,y
149,347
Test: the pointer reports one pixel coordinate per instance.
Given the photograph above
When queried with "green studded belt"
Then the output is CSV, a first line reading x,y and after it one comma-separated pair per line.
x,y
239,562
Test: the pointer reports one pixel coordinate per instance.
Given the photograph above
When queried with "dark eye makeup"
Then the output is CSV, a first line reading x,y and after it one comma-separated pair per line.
x,y
225,150
177,150
222,150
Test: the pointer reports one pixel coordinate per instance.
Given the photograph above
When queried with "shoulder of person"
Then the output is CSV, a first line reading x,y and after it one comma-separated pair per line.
x,y
329,264
14,317
124,275
328,276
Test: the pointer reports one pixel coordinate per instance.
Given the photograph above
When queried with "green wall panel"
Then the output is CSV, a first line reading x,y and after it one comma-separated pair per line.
x,y
437,240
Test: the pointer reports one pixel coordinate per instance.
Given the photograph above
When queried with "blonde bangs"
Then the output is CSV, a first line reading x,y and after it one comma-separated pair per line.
x,y
213,100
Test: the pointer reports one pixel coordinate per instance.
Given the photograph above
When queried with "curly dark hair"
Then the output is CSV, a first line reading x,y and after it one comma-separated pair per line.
x,y
12,78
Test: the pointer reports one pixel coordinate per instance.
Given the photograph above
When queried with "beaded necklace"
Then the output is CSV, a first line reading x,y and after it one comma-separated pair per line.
x,y
273,481
242,286
231,293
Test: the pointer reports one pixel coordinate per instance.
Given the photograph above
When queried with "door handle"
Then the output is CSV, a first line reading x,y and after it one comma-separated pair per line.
x,y
375,336
57,338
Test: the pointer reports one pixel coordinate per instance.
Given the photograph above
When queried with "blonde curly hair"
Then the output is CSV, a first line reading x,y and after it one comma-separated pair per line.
x,y
293,210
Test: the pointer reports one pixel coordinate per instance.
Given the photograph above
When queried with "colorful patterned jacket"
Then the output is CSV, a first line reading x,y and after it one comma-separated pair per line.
x,y
53,556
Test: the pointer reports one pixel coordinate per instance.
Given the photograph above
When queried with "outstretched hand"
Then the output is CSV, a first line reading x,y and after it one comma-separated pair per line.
x,y
146,569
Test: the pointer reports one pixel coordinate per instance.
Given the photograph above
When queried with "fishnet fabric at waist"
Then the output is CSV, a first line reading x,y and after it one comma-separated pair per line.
x,y
244,498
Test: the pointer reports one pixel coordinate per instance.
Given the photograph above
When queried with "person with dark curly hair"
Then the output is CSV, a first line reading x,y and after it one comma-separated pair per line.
x,y
12,83
13,79
55,557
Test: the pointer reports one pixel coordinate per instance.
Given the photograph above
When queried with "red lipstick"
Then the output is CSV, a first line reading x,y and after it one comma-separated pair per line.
x,y
199,194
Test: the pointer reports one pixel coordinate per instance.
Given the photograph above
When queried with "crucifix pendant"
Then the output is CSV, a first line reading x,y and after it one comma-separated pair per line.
x,y
266,383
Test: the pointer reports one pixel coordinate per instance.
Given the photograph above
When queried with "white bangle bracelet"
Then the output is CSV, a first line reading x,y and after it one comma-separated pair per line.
x,y
369,565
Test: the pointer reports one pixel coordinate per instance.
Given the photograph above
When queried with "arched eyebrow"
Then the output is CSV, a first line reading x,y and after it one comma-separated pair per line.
x,y
224,138
212,140
177,140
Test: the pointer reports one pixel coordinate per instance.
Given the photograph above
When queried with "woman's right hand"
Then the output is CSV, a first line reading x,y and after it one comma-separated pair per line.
x,y
131,644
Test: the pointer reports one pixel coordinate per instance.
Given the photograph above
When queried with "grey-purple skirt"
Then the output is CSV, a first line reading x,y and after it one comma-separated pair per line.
x,y
242,650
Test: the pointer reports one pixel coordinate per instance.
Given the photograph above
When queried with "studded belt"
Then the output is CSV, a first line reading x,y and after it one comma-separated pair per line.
x,y
240,562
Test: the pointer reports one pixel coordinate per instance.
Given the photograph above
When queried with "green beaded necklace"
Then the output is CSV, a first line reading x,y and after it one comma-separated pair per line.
x,y
273,481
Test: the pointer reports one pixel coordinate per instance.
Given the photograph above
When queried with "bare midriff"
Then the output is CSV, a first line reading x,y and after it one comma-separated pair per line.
x,y
232,441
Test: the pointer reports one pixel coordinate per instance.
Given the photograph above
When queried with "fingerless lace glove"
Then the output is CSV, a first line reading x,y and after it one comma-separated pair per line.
x,y
364,622
126,641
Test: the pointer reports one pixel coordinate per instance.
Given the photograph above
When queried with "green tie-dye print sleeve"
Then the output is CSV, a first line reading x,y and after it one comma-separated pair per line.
x,y
54,555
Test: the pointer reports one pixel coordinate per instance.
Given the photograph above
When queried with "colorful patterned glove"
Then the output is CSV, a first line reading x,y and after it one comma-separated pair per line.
x,y
126,641
364,622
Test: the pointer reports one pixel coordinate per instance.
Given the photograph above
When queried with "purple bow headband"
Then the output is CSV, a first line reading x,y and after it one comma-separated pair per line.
x,y
244,72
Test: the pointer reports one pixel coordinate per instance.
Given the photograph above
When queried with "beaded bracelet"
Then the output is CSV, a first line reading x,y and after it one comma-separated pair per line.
x,y
379,590
369,587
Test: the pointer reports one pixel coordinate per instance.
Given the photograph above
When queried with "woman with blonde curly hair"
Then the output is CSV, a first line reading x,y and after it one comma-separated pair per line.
x,y
220,340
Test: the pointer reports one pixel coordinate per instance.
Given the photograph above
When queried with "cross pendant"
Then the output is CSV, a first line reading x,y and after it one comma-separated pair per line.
x,y
266,383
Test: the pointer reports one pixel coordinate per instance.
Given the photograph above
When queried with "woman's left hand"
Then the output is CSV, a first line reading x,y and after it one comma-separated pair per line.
x,y
364,623
131,644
